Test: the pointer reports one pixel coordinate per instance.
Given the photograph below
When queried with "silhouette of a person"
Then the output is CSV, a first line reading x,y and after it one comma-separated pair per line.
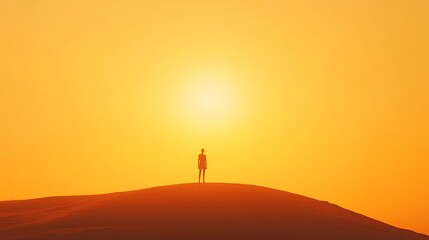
x,y
202,165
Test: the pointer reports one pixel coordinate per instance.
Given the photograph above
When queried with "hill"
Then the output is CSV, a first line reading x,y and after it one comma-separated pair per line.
x,y
190,211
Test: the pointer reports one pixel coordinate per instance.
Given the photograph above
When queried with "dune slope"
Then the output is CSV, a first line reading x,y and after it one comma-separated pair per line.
x,y
190,211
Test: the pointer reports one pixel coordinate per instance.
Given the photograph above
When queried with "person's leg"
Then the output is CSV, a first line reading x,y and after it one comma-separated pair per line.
x,y
204,175
199,175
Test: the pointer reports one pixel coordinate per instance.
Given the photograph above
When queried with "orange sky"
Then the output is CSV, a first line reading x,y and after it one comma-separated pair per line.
x,y
328,99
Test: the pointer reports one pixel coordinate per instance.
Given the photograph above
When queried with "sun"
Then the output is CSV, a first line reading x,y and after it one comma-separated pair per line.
x,y
209,99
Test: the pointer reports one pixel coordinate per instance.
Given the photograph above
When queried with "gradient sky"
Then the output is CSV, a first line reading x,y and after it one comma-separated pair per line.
x,y
328,99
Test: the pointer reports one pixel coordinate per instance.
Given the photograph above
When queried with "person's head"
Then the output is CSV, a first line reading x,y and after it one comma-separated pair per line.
x,y
202,150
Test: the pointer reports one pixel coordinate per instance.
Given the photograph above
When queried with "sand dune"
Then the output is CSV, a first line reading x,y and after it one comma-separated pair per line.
x,y
190,211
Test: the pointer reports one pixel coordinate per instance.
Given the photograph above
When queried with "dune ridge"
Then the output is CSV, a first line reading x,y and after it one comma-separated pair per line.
x,y
190,211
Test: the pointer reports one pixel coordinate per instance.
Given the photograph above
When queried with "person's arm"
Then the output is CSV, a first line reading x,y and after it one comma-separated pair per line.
x,y
198,161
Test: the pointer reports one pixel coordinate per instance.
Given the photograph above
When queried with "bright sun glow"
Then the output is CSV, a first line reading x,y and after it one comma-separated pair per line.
x,y
209,99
